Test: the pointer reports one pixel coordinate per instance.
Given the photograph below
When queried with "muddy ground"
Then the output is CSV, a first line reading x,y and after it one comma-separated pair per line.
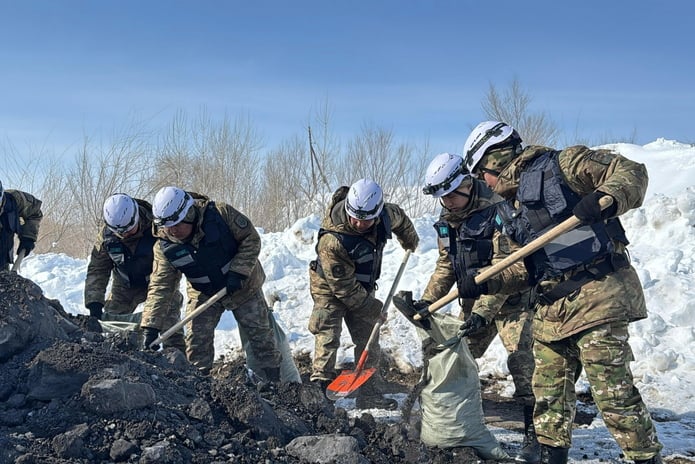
x,y
69,394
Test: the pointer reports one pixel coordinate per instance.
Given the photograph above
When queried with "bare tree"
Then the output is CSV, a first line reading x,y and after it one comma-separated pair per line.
x,y
397,167
43,175
122,165
218,159
513,107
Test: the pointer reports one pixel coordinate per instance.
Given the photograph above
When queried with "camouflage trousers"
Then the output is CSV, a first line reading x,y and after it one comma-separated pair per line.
x,y
124,300
251,315
605,355
516,332
326,324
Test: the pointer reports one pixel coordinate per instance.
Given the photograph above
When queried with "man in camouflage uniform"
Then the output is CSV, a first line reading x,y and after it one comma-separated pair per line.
x,y
20,215
123,254
587,291
469,239
215,247
343,279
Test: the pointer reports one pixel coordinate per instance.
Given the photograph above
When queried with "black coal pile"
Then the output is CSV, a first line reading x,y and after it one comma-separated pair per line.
x,y
70,394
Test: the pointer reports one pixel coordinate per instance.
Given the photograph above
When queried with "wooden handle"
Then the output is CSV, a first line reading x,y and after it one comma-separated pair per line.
x,y
375,330
531,247
213,299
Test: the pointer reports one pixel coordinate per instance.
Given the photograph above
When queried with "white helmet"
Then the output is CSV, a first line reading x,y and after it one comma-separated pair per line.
x,y
121,213
444,175
170,206
365,200
485,135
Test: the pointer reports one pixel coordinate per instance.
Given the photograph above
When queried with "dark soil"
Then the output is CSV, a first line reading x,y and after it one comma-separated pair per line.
x,y
79,396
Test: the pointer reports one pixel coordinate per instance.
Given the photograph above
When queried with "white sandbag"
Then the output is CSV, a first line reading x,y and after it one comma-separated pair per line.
x,y
451,402
288,370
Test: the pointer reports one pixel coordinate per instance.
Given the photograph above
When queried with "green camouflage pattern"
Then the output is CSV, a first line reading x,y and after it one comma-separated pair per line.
x,y
101,269
617,296
588,329
507,315
123,299
514,324
338,296
605,354
497,159
326,324
251,314
165,278
30,214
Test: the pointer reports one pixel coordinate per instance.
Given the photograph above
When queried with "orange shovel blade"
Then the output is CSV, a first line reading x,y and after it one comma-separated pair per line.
x,y
347,382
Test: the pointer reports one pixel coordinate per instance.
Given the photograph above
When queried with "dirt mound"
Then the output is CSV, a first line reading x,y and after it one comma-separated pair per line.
x,y
70,394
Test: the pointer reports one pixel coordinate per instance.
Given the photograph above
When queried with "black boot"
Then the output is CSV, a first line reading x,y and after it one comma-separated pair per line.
x,y
553,455
375,402
369,396
653,460
530,449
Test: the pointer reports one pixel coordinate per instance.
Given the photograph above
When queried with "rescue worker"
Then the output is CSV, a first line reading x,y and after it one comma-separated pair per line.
x,y
215,247
468,238
586,290
123,254
343,280
20,215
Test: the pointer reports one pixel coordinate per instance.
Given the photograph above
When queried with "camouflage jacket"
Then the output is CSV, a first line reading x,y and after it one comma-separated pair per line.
x,y
338,283
617,296
29,215
165,278
444,277
101,267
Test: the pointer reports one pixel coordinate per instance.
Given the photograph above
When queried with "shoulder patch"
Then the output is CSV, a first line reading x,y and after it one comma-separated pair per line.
x,y
338,270
241,221
602,156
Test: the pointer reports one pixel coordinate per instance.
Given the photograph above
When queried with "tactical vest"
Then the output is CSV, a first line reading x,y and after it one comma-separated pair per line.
x,y
545,200
9,226
471,247
365,255
134,267
206,266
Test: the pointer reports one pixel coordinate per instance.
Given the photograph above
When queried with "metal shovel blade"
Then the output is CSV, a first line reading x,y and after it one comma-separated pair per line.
x,y
347,382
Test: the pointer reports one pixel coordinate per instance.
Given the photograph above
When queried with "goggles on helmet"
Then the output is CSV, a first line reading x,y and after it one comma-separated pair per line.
x,y
492,132
174,218
124,229
361,214
431,189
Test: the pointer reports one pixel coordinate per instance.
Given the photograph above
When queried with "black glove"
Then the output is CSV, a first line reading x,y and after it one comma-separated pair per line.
x,y
589,211
26,244
151,334
422,308
234,282
95,309
472,325
469,289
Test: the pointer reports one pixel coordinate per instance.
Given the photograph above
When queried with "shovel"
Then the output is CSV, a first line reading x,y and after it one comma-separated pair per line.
x,y
531,247
349,381
172,330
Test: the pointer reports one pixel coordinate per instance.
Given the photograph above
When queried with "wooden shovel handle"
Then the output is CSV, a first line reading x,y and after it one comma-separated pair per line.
x,y
212,300
531,247
375,330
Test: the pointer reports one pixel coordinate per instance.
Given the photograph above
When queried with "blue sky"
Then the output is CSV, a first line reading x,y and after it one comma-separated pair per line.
x,y
601,70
